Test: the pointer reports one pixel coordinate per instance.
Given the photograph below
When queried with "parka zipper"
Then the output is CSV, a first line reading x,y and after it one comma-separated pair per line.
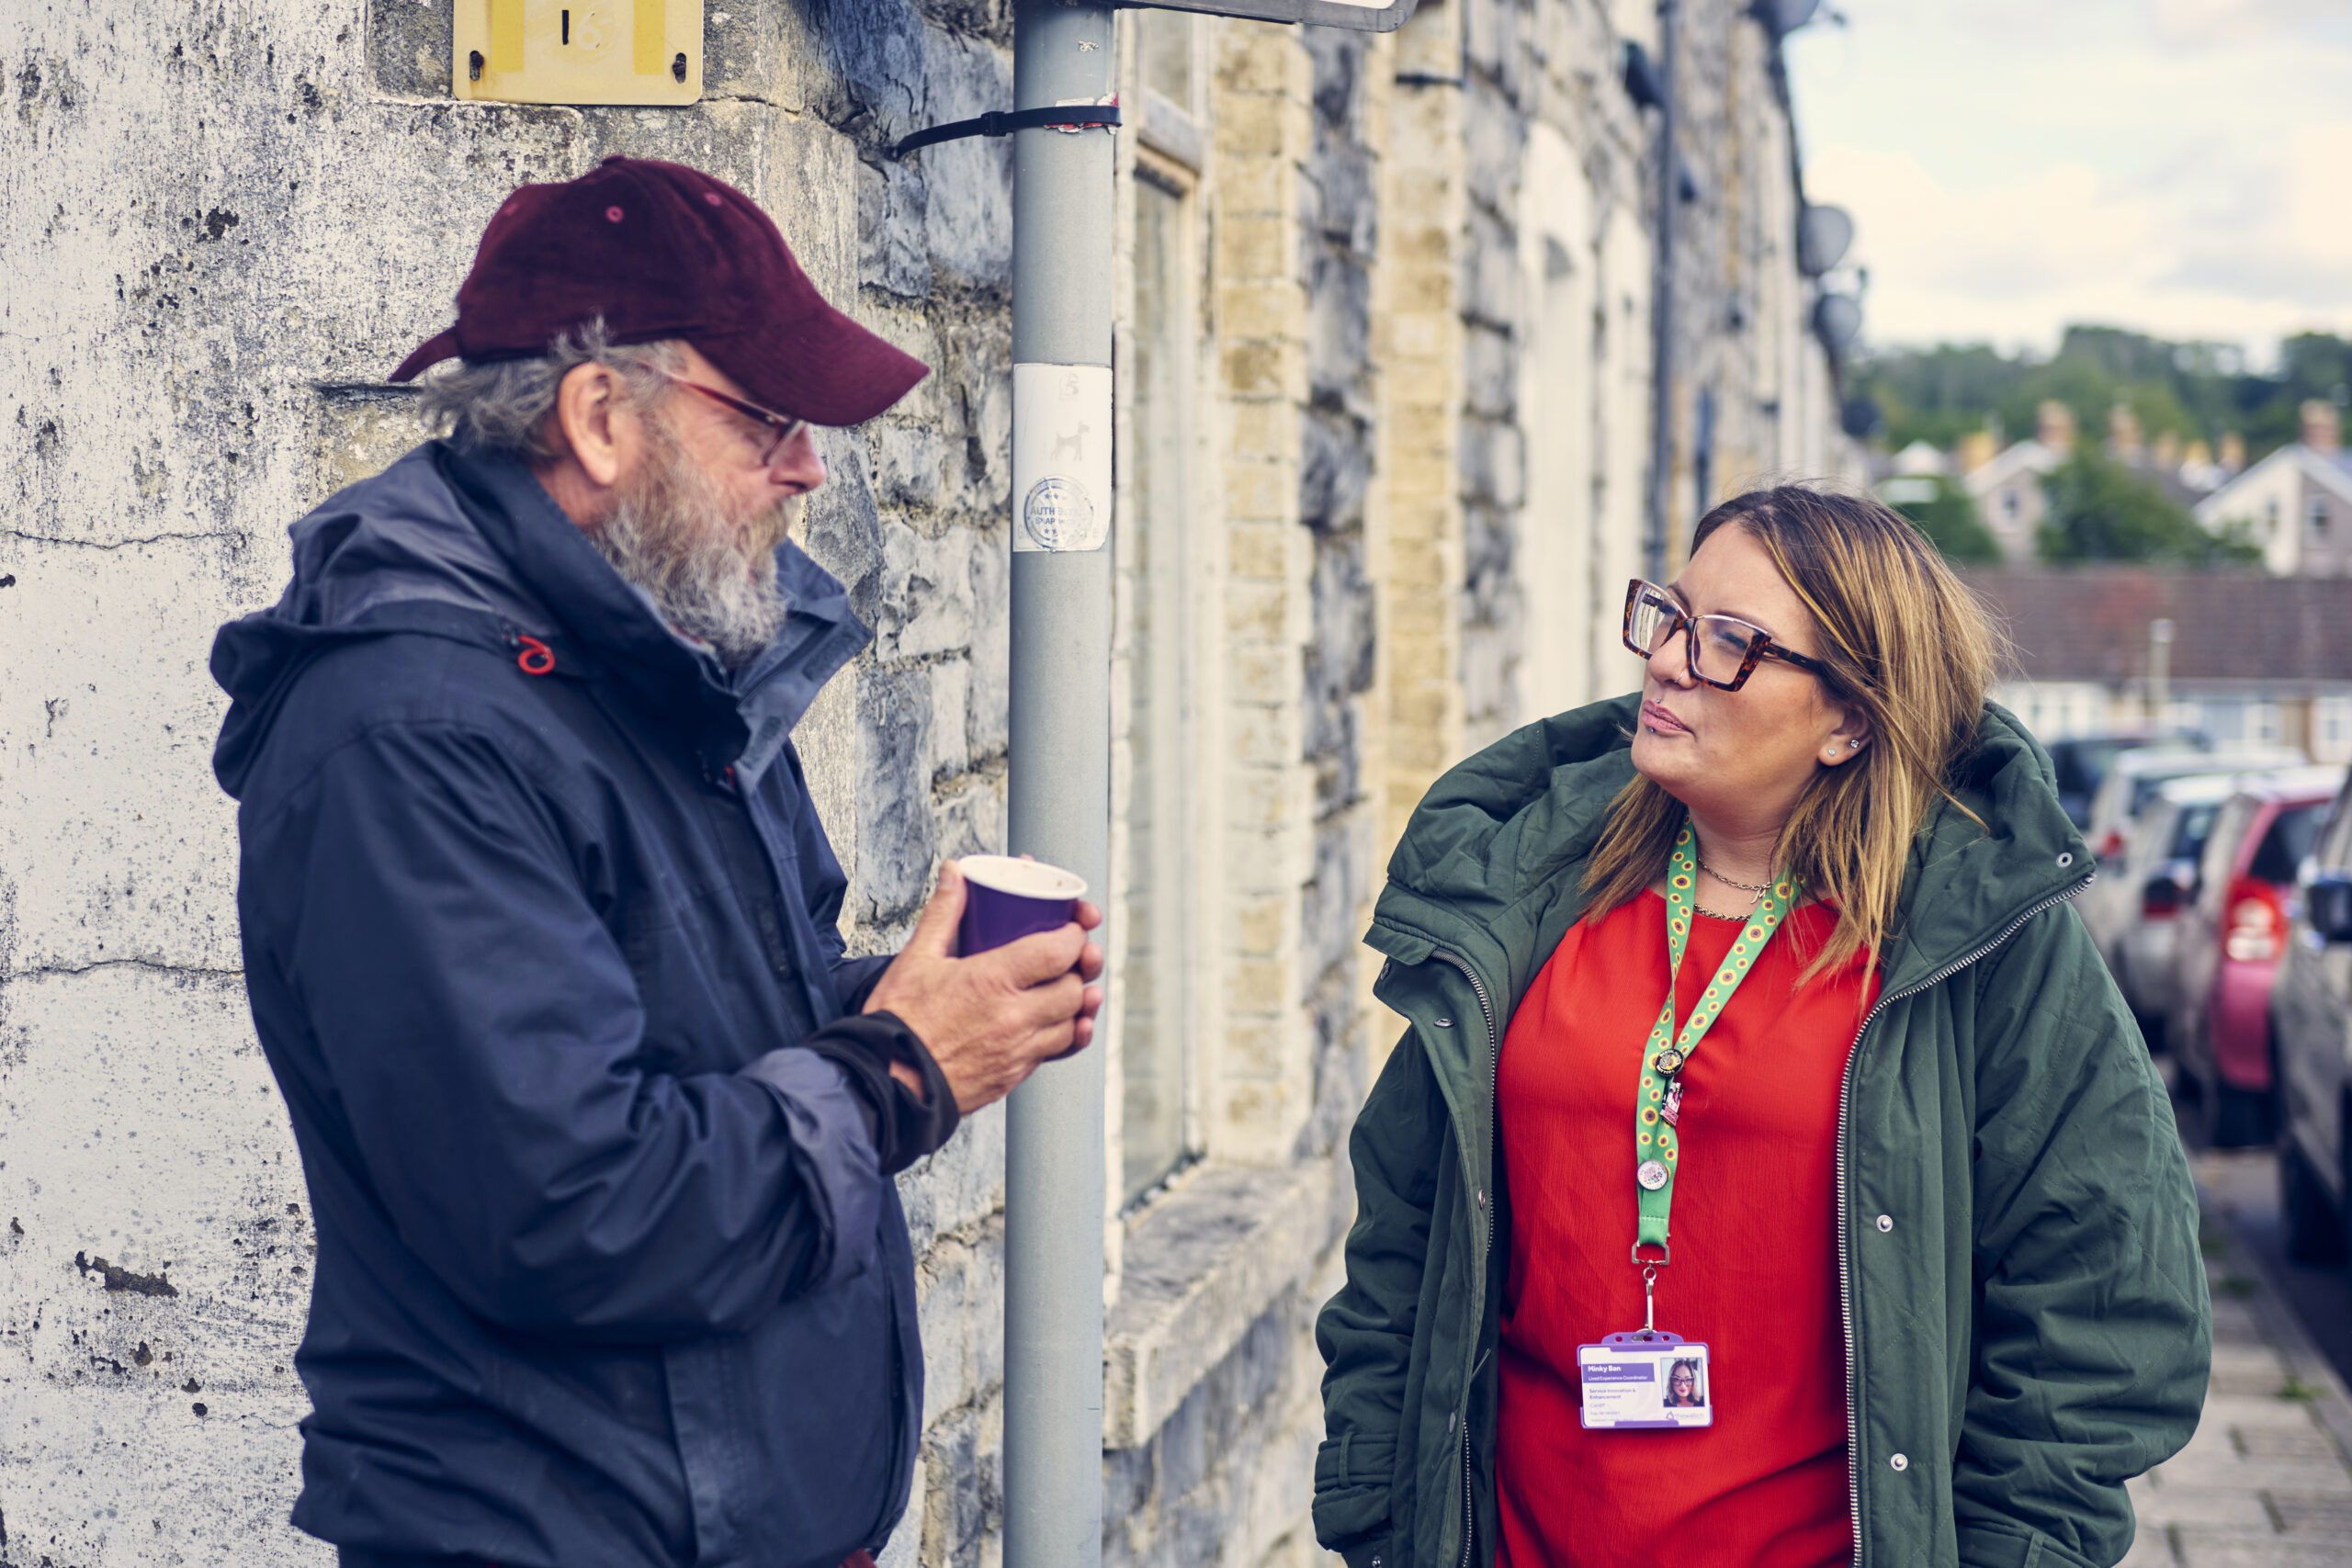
x,y
1494,1076
1845,1254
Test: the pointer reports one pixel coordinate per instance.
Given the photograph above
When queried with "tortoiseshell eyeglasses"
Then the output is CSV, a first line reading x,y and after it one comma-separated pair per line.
x,y
1721,651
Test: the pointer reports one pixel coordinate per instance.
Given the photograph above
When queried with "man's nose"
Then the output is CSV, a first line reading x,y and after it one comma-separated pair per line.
x,y
796,466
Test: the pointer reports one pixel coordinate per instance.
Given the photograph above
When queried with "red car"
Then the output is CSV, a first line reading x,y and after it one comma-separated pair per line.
x,y
2231,935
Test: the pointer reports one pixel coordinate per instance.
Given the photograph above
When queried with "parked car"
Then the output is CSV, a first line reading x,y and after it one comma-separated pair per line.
x,y
2082,762
2226,951
2135,777
2132,912
2311,1037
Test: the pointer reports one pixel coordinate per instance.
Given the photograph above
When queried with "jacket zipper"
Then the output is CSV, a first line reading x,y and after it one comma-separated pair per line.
x,y
1494,1113
1845,1254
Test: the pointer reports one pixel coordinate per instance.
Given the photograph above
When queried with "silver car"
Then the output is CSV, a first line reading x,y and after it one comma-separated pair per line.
x,y
2133,782
2133,911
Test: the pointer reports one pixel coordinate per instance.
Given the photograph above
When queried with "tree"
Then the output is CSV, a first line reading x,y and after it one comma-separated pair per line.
x,y
2100,510
2187,390
1950,521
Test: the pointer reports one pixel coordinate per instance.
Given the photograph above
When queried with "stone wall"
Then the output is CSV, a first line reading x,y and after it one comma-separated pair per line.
x,y
234,222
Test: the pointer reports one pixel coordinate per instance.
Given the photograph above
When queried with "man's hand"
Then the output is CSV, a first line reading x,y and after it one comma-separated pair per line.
x,y
988,1020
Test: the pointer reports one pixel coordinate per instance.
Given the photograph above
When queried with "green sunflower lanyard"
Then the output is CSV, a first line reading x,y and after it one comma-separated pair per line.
x,y
1658,1105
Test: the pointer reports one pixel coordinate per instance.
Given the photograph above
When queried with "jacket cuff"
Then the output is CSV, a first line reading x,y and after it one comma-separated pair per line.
x,y
905,1126
855,979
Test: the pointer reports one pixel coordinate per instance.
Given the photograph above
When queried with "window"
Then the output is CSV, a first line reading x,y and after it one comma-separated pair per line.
x,y
1156,995
2010,504
1172,75
2331,729
2319,516
2293,832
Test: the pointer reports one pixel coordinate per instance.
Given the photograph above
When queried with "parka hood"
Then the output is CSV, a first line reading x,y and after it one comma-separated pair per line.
x,y
445,544
1492,861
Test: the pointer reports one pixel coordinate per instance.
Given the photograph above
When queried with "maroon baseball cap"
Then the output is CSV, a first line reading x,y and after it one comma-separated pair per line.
x,y
662,251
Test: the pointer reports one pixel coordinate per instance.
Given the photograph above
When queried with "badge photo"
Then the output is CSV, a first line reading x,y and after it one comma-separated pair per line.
x,y
1653,1381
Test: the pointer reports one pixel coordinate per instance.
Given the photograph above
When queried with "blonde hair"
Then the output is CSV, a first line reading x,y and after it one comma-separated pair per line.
x,y
1909,646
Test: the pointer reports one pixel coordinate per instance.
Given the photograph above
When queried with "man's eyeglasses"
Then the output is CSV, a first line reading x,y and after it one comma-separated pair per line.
x,y
781,428
1723,651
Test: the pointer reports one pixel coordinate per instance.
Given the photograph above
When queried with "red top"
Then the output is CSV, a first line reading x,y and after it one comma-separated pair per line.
x,y
1755,1270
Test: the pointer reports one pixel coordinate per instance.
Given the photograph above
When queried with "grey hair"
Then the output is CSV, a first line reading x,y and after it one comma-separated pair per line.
x,y
500,409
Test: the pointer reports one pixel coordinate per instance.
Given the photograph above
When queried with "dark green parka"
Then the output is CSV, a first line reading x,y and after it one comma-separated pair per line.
x,y
2027,1323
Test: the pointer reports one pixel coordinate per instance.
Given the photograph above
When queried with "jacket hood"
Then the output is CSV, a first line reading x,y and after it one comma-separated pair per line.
x,y
1493,858
444,545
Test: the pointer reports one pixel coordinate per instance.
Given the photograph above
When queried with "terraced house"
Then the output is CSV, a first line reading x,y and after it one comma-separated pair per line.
x,y
1387,395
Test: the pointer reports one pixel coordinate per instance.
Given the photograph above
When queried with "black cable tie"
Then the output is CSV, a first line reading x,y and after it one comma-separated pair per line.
x,y
1004,122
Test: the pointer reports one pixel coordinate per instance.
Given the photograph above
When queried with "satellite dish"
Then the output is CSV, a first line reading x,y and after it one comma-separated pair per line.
x,y
1785,17
1839,318
1824,236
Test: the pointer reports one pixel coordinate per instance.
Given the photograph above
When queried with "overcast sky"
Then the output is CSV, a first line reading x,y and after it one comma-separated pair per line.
x,y
2183,167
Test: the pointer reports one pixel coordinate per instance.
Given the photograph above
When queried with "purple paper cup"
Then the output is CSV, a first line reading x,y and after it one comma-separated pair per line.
x,y
1006,899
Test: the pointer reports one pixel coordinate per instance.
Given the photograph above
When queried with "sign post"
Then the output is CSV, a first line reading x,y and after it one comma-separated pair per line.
x,y
1059,738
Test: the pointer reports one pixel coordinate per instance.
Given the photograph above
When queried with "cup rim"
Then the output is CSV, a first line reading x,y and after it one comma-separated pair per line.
x,y
1012,877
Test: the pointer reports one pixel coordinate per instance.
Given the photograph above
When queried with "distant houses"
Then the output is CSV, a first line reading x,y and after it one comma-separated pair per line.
x,y
2237,655
2296,503
2007,484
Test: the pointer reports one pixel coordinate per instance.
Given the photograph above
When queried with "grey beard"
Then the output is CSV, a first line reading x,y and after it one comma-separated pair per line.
x,y
711,577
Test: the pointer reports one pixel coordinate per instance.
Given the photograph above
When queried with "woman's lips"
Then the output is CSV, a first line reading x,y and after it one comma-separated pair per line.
x,y
1657,719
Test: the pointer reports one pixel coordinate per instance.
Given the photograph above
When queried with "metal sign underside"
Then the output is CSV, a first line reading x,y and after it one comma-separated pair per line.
x,y
577,51
1361,15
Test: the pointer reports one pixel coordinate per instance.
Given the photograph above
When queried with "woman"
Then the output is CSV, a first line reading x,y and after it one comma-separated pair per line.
x,y
1682,1385
1932,1225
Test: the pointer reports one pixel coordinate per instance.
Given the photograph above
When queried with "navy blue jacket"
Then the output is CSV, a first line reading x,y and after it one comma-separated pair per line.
x,y
539,925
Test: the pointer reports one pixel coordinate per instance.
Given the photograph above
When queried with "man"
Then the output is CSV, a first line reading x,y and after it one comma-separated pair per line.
x,y
540,931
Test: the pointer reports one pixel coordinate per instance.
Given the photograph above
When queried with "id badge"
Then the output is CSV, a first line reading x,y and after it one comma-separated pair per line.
x,y
1646,1381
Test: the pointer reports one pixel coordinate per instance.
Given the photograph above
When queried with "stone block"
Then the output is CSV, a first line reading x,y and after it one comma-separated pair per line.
x,y
926,600
968,219
991,648
1257,612
894,821
961,1185
1260,58
891,201
951,683
1252,248
1257,552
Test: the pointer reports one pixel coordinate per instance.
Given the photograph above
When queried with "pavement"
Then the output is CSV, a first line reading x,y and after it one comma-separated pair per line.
x,y
2264,1482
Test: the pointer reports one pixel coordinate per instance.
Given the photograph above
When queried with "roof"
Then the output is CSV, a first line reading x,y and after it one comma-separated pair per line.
x,y
2027,457
2091,624
2333,469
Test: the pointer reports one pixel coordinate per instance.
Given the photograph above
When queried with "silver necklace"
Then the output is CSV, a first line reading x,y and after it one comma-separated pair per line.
x,y
1759,889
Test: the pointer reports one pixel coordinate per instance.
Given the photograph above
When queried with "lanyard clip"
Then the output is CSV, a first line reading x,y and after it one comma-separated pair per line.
x,y
1665,1254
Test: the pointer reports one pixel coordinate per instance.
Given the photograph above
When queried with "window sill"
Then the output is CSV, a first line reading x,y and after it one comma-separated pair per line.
x,y
1170,132
1201,1265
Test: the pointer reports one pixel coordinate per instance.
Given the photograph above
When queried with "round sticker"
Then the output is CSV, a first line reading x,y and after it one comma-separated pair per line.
x,y
1651,1174
1057,513
1668,1062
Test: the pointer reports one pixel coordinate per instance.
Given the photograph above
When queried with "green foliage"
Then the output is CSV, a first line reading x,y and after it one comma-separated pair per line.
x,y
2100,510
1950,521
2191,389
